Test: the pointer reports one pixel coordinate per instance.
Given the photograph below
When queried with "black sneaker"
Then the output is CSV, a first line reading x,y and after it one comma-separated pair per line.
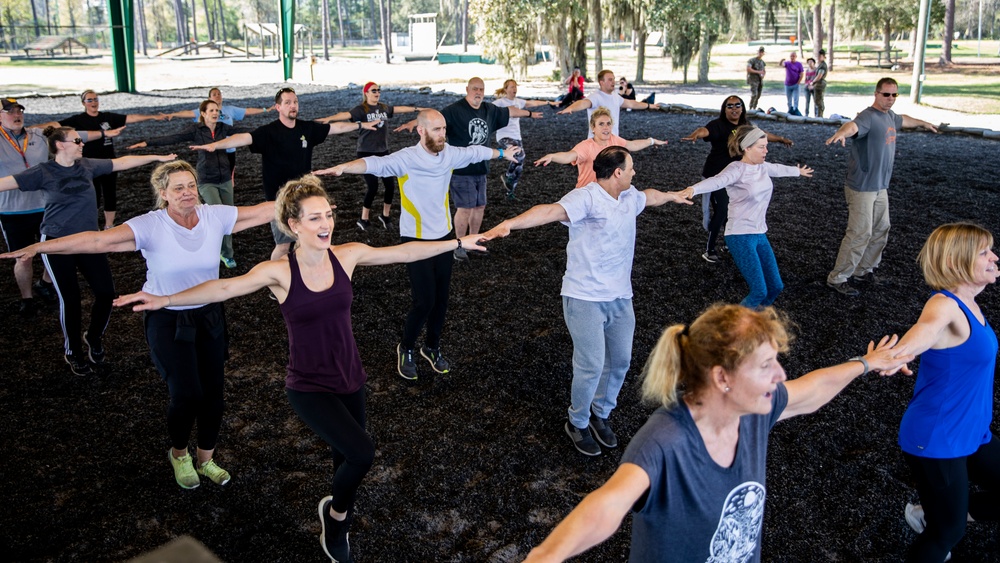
x,y
602,431
844,289
870,279
27,308
710,257
46,291
363,224
78,366
434,357
405,365
94,351
333,535
386,222
582,440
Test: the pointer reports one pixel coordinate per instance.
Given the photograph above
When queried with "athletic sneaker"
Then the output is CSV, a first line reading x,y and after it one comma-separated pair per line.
x,y
46,291
461,255
78,366
94,351
405,365
386,222
914,514
602,432
871,279
333,535
227,262
27,308
184,472
582,440
434,357
363,224
710,257
218,475
844,289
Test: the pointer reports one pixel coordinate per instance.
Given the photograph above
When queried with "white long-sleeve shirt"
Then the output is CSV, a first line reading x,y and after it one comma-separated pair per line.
x,y
423,185
749,187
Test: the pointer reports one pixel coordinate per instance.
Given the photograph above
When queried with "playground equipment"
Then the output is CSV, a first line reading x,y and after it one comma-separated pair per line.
x,y
49,44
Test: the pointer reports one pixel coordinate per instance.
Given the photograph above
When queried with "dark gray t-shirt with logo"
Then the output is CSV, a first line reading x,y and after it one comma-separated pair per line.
x,y
377,140
873,150
469,127
70,198
695,509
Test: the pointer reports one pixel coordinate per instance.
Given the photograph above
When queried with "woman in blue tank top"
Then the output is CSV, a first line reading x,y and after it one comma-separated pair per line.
x,y
945,433
325,382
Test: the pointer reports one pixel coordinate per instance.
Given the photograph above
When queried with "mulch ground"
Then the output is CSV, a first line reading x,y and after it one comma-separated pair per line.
x,y
474,465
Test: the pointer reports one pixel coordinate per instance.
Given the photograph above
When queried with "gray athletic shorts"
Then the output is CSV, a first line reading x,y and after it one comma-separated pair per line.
x,y
468,191
279,237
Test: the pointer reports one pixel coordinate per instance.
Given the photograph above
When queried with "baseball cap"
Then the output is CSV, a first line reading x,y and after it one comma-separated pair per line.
x,y
9,103
761,50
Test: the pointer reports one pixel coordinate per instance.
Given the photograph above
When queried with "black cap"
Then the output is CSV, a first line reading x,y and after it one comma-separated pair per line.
x,y
9,103
822,51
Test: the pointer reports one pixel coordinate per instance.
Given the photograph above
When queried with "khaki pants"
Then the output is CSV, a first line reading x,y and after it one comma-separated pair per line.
x,y
818,90
867,232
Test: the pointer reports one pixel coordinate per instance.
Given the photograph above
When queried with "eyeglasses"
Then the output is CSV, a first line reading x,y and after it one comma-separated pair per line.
x,y
76,141
14,111
374,90
89,100
737,105
889,94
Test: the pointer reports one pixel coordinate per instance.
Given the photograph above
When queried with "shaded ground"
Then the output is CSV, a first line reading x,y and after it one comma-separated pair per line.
x,y
474,466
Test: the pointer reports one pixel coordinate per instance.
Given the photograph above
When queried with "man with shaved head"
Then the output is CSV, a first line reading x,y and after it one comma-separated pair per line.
x,y
425,171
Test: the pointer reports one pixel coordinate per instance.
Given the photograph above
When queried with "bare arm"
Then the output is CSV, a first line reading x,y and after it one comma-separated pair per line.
x,y
133,118
934,328
699,133
342,116
273,273
568,157
535,103
518,112
88,136
188,113
257,111
655,198
357,166
639,144
913,123
576,106
846,130
129,162
817,388
537,215
117,239
7,183
597,516
632,104
771,138
231,142
339,127
357,254
253,216
408,126
406,109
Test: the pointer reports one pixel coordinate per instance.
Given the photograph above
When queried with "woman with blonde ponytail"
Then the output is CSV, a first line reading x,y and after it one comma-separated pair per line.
x,y
694,473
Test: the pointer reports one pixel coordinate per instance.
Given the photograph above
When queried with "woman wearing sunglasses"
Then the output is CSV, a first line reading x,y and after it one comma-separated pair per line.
x,y
717,132
67,182
373,143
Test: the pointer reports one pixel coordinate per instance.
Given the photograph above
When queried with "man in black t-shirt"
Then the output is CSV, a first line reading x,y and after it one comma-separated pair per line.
x,y
92,119
285,146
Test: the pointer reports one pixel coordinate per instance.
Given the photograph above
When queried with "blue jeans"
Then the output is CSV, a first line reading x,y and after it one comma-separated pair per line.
x,y
602,351
755,259
792,93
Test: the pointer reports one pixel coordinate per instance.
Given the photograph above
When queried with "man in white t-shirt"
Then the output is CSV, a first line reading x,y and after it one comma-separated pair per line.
x,y
597,287
607,96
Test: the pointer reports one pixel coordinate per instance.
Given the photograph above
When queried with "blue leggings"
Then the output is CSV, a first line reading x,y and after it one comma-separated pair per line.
x,y
755,259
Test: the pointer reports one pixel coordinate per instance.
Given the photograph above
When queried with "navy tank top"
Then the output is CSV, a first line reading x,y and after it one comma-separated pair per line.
x,y
952,406
322,353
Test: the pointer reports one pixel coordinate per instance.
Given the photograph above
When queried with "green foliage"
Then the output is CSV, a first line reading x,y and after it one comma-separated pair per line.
x,y
507,31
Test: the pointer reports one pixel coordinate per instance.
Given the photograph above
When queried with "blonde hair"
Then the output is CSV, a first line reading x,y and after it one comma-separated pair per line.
x,y
600,111
724,335
160,178
737,138
502,91
949,255
288,204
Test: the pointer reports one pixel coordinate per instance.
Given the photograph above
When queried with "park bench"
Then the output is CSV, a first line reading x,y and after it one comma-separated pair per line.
x,y
51,43
891,56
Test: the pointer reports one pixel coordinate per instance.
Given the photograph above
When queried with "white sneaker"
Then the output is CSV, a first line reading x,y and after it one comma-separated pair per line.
x,y
914,514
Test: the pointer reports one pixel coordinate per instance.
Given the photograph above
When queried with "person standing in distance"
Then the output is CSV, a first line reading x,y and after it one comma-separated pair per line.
x,y
755,77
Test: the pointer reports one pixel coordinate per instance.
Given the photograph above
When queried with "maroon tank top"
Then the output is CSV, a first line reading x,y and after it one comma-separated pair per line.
x,y
322,353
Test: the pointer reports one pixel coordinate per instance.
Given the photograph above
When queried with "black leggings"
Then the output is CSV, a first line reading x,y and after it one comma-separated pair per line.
x,y
107,186
943,485
371,181
720,214
340,421
430,283
189,349
570,97
95,269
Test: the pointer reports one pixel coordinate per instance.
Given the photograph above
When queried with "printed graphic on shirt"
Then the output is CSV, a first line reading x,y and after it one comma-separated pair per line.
x,y
379,116
890,136
106,127
738,534
479,132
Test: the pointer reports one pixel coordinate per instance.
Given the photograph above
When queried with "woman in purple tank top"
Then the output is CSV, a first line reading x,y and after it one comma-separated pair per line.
x,y
325,380
945,432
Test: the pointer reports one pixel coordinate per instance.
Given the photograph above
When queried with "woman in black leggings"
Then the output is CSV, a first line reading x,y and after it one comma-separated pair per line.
x,y
325,380
71,207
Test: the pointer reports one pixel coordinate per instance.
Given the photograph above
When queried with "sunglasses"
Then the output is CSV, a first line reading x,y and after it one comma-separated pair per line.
x,y
286,91
889,94
374,90
76,141
737,105
89,100
14,111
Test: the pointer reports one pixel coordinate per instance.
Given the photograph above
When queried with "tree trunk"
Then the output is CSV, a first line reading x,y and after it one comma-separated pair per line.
x,y
340,23
886,45
465,26
143,28
817,28
949,31
563,52
325,28
34,18
222,21
194,24
209,21
384,13
640,55
829,51
181,22
798,30
375,19
595,9
704,52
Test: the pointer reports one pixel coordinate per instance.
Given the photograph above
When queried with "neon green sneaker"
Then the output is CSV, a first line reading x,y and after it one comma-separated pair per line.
x,y
184,472
218,475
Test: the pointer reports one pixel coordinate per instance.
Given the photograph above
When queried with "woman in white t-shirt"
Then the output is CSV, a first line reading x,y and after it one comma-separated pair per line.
x,y
510,136
180,241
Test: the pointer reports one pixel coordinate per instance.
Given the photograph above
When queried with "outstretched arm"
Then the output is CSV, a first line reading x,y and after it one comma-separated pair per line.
x,y
237,140
357,166
632,104
188,113
537,215
639,144
342,116
913,123
655,198
133,161
408,126
568,157
406,109
265,274
699,133
253,216
117,239
134,118
576,106
357,254
7,183
518,112
597,516
817,388
846,130
339,127
779,139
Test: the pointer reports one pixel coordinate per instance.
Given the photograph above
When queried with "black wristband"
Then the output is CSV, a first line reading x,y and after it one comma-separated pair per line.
x,y
459,243
359,126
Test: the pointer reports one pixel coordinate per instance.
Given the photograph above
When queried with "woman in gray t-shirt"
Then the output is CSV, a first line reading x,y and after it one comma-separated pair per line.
x,y
695,496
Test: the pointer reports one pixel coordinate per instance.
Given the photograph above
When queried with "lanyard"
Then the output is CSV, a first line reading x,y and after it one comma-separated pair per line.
x,y
20,150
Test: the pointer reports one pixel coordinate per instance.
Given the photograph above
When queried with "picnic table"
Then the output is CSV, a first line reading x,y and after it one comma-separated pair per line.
x,y
891,56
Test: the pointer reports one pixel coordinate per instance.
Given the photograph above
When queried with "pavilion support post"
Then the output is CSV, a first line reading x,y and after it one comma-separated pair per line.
x,y
287,17
122,42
